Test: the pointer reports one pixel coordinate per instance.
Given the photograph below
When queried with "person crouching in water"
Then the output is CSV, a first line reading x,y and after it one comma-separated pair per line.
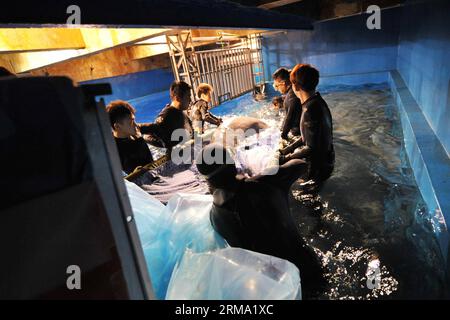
x,y
316,125
133,150
172,117
199,112
278,105
253,213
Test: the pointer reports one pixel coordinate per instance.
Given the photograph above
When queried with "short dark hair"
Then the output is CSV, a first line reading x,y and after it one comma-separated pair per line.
x,y
178,89
278,101
119,110
305,77
203,88
281,73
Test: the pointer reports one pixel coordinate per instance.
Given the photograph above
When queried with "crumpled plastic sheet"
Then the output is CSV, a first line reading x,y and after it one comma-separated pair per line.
x,y
234,274
146,212
167,231
257,153
184,225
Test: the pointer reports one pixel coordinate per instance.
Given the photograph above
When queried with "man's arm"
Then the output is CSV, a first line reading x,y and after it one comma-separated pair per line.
x,y
294,145
212,119
147,128
287,174
310,134
289,106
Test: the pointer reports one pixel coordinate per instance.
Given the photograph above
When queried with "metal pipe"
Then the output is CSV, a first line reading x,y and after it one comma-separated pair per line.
x,y
214,78
236,74
226,74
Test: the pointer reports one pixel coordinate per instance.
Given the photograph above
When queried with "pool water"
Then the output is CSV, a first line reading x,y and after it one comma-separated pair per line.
x,y
370,216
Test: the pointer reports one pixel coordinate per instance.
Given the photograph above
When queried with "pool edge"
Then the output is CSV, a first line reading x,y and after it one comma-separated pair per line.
x,y
428,159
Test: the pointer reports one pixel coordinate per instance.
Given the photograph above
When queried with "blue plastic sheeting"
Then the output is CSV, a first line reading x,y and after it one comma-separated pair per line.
x,y
234,274
428,159
424,62
167,231
146,211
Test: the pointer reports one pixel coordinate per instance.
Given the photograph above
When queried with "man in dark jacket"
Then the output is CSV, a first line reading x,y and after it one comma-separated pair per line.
x,y
199,112
316,143
133,150
170,119
253,213
291,104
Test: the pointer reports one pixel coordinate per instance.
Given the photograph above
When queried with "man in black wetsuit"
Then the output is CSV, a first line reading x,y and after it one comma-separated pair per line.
x,y
253,213
133,150
291,104
199,111
316,143
171,118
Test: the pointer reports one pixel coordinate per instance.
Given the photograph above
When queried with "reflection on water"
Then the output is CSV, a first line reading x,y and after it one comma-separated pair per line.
x,y
369,224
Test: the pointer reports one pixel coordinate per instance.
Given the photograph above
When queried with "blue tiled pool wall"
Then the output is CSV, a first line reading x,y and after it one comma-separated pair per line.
x,y
147,91
339,47
421,86
424,62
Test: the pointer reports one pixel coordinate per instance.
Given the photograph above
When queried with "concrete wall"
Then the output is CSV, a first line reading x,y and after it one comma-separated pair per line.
x,y
424,62
338,47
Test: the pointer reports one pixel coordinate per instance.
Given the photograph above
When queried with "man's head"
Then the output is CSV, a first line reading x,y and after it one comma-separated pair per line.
x,y
121,116
278,102
304,77
216,164
180,93
281,81
204,92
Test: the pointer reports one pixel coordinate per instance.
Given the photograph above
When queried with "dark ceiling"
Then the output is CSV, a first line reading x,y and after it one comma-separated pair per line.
x,y
318,9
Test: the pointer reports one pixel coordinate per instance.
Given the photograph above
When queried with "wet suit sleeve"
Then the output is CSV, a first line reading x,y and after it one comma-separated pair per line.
x,y
286,127
207,116
310,134
212,119
287,174
151,130
297,143
148,128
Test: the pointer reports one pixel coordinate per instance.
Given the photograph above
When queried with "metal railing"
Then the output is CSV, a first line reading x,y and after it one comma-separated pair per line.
x,y
229,71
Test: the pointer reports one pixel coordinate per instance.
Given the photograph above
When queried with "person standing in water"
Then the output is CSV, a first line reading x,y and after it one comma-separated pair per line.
x,y
199,112
171,118
291,104
254,214
278,104
133,150
316,125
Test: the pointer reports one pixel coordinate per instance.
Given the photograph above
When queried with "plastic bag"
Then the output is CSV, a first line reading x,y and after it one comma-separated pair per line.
x,y
146,211
234,274
258,153
184,223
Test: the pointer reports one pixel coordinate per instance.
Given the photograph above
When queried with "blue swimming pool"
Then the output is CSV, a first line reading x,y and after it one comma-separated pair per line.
x,y
370,212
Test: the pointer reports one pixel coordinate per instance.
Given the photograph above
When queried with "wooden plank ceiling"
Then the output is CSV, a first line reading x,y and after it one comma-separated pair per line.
x,y
93,53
